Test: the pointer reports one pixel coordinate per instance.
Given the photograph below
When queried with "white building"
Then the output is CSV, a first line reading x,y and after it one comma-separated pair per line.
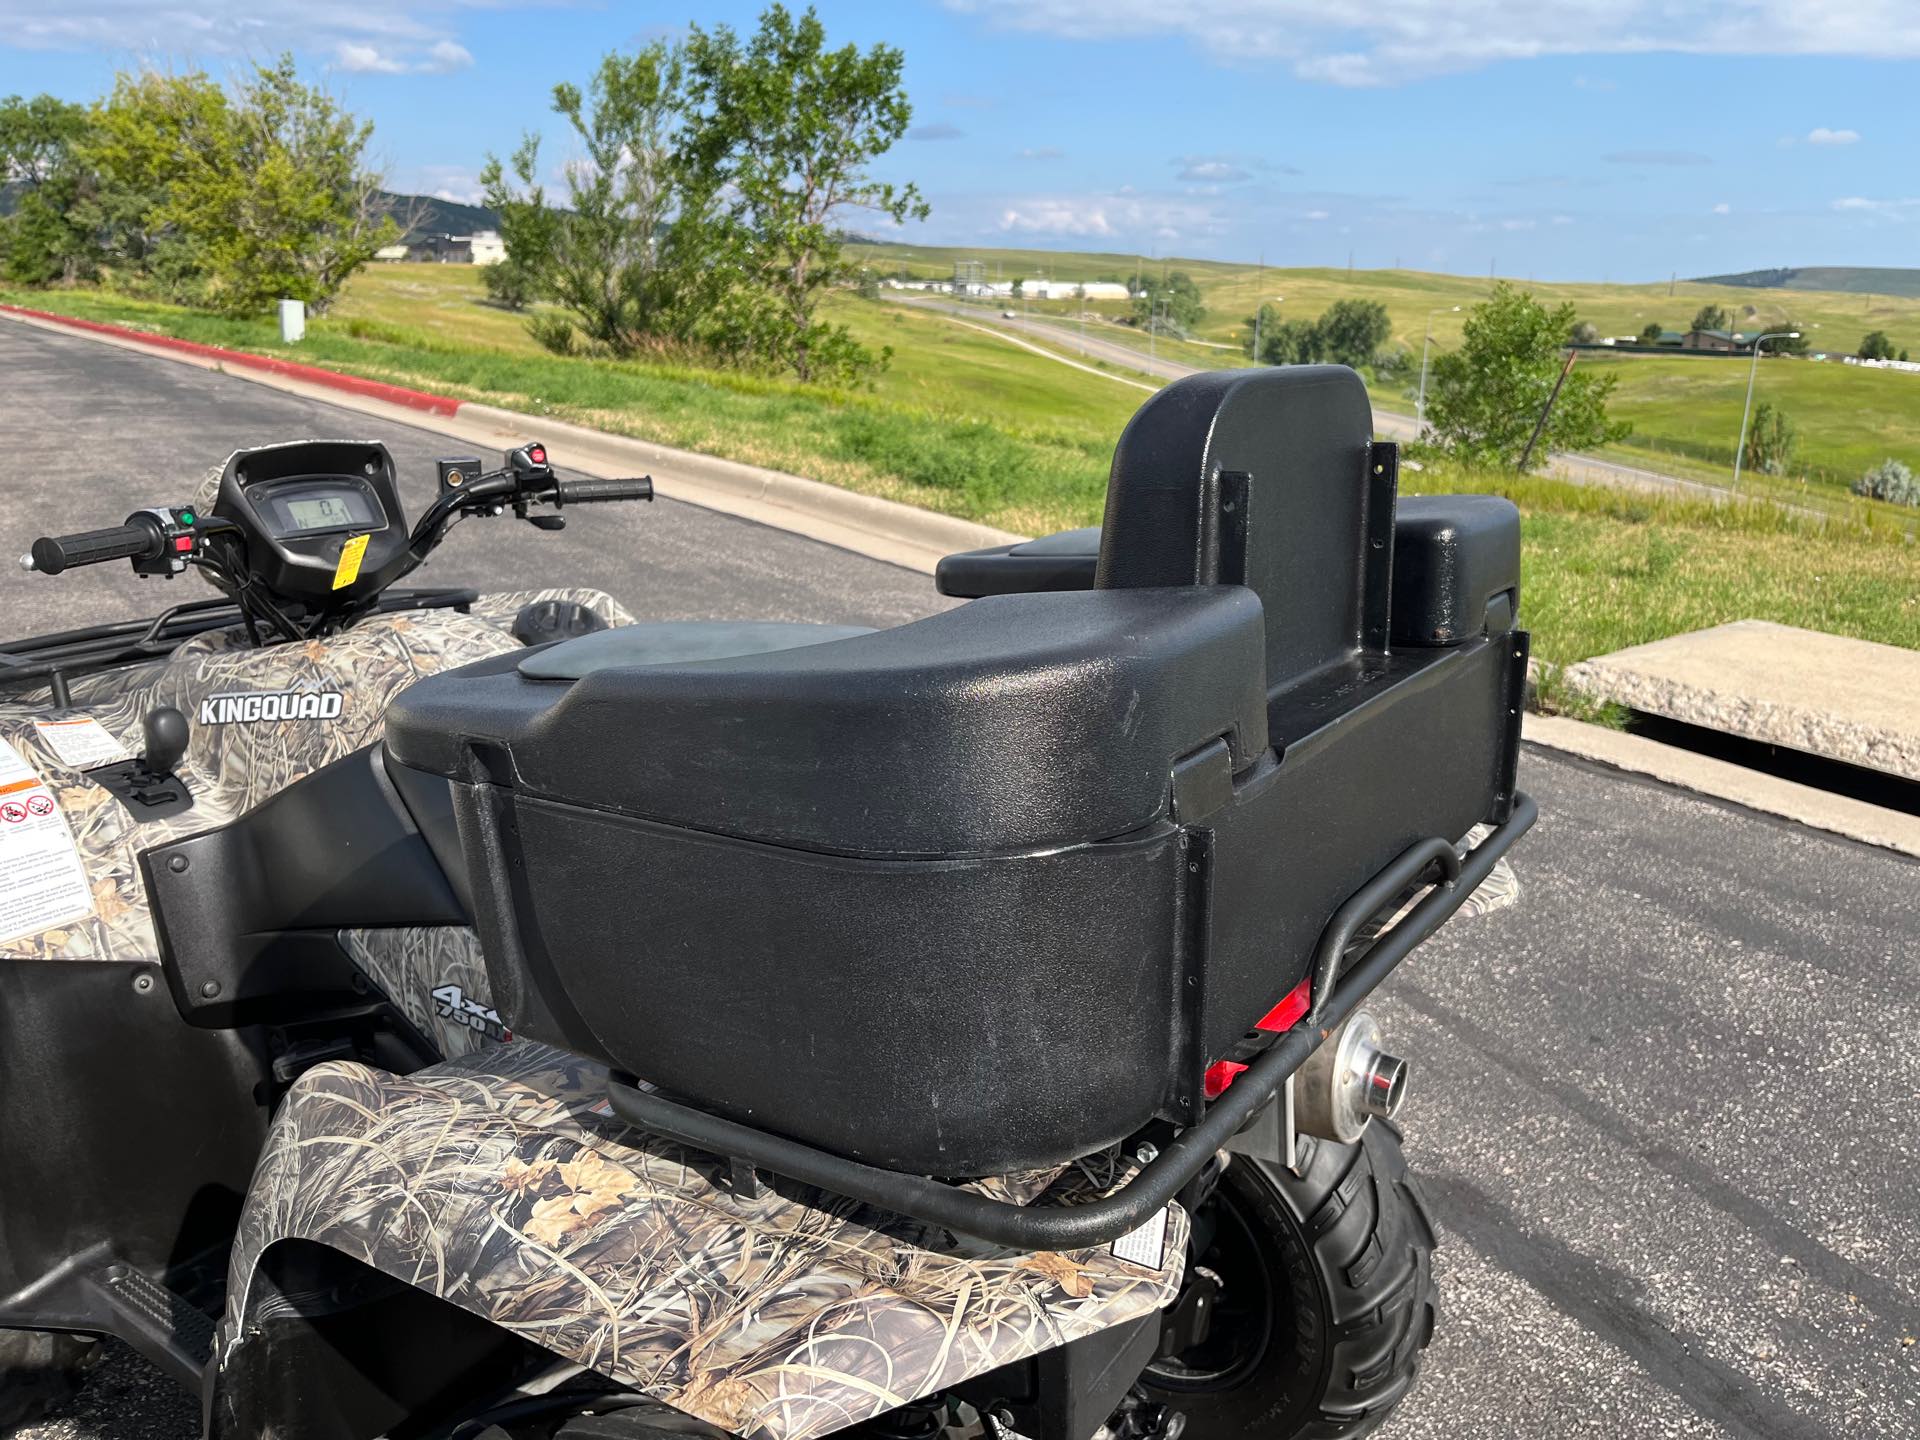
x,y
487,247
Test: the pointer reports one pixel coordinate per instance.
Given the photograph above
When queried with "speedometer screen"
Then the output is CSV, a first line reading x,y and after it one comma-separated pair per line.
x,y
320,512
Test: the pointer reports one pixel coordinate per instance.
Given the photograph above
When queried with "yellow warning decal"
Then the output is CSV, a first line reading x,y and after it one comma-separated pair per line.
x,y
348,570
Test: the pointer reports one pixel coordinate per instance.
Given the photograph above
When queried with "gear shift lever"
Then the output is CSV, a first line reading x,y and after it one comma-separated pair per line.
x,y
165,731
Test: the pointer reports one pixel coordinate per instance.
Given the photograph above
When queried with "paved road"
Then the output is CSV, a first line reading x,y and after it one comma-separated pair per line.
x,y
1582,469
1663,1107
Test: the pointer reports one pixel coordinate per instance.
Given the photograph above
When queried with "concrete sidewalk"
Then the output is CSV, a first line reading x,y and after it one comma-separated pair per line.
x,y
1847,700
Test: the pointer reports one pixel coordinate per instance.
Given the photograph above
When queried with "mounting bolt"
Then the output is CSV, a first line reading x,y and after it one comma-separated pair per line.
x,y
1147,1153
142,984
176,863
210,989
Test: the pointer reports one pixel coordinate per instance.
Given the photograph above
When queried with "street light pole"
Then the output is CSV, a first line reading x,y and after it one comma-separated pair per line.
x,y
1740,450
1420,410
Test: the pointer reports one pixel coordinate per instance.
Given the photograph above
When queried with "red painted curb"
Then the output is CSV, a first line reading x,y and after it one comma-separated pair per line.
x,y
313,374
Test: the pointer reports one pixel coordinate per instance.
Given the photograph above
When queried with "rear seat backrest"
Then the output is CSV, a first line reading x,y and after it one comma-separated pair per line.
x,y
1265,478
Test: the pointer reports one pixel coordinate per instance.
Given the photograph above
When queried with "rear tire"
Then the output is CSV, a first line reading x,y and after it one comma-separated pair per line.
x,y
38,1370
1327,1296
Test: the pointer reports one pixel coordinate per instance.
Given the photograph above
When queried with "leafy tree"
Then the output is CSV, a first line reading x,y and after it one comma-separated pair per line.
x,y
1788,344
1018,288
1168,303
869,286
609,257
1486,396
1770,440
1876,346
245,198
1712,317
1291,342
1903,356
1585,332
528,226
1352,331
778,141
279,198
148,129
40,157
1651,333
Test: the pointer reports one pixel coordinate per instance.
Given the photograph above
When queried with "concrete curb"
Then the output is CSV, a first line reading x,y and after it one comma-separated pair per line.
x,y
1721,780
865,524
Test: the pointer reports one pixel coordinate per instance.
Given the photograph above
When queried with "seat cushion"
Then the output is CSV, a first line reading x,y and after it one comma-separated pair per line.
x,y
670,642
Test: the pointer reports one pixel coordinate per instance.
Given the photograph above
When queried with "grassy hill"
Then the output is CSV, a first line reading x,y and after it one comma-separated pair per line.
x,y
1837,319
1856,279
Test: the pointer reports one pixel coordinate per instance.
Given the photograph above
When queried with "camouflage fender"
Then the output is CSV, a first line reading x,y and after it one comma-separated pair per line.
x,y
500,1184
231,767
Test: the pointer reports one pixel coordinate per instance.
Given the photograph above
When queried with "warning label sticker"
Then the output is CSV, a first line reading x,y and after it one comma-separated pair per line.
x,y
82,743
1146,1245
42,882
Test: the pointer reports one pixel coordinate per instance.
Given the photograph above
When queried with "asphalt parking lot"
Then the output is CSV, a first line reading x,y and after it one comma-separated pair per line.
x,y
1662,1107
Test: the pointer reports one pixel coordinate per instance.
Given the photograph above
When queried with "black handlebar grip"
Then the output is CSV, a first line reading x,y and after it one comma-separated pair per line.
x,y
591,492
54,553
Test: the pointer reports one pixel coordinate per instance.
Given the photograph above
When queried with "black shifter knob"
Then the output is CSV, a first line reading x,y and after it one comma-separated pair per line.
x,y
166,733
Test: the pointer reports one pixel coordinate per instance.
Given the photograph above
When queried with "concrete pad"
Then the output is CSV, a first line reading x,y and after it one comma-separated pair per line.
x,y
1704,775
1847,700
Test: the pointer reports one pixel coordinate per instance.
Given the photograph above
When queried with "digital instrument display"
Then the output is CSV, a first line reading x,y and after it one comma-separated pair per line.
x,y
320,512
312,507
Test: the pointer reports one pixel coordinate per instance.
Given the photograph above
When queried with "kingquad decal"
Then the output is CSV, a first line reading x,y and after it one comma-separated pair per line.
x,y
463,1009
259,705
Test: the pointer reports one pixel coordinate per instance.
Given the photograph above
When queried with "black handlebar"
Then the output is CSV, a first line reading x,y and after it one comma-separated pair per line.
x,y
591,492
139,539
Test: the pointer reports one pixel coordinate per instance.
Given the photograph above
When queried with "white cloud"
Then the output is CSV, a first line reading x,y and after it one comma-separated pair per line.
x,y
1820,135
1197,171
1723,208
1043,152
1318,215
1340,43
1860,204
938,130
366,59
362,36
1120,215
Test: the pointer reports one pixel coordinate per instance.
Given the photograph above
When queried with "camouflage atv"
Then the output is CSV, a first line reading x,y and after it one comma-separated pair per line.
x,y
425,1013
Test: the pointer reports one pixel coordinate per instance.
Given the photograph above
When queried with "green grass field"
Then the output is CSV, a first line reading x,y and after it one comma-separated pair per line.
x,y
1685,410
1232,290
970,425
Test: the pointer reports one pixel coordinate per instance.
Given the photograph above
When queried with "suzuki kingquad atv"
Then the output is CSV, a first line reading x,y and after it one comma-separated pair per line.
x,y
432,1014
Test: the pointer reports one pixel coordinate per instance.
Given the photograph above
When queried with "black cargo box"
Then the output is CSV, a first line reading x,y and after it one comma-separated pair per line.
x,y
992,889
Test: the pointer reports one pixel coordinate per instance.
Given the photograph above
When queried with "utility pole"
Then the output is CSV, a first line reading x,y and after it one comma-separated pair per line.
x,y
1547,409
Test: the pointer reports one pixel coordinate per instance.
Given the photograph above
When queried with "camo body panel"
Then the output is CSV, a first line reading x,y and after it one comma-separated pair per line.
x,y
497,1184
230,768
436,976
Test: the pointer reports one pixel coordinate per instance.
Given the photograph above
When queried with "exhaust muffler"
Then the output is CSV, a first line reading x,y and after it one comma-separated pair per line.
x,y
1348,1081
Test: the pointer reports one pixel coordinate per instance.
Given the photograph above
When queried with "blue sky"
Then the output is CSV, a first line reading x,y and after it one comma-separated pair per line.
x,y
1555,139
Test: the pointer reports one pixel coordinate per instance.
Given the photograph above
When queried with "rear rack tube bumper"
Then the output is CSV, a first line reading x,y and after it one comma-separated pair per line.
x,y
1042,1227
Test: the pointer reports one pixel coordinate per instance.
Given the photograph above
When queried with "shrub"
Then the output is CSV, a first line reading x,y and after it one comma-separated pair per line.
x,y
1890,481
1770,440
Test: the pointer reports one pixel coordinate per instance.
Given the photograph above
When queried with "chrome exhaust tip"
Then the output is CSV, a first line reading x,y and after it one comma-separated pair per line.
x,y
1348,1081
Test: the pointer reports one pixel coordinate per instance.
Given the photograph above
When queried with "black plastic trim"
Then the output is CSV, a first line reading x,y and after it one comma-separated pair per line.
x,y
1077,1226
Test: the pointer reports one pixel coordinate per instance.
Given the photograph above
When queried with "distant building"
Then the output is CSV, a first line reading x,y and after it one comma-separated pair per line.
x,y
484,247
392,252
1720,342
487,247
